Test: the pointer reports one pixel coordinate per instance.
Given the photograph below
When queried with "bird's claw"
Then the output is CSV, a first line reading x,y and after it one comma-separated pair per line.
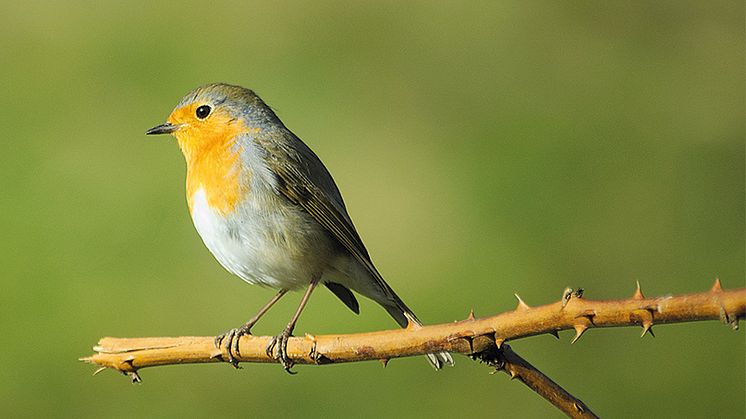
x,y
229,341
280,342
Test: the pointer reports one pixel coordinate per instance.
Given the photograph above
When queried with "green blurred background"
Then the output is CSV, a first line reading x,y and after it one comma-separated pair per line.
x,y
482,148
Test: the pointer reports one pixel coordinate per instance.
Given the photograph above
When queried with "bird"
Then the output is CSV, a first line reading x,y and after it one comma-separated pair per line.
x,y
270,212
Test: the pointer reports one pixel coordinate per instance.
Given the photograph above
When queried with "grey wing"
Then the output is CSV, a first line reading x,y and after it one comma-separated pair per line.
x,y
304,180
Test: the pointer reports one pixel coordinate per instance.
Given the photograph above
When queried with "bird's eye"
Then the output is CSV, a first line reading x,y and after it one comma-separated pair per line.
x,y
203,111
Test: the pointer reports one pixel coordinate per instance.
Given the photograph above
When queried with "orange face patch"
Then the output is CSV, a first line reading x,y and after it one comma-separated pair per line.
x,y
212,160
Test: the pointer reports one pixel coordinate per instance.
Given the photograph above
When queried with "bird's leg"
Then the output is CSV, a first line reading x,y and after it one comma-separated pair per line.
x,y
232,336
281,341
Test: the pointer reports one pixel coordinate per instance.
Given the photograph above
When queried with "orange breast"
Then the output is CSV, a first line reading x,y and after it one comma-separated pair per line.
x,y
217,173
213,160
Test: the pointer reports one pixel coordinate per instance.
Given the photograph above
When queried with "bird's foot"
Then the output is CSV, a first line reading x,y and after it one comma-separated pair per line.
x,y
280,342
229,340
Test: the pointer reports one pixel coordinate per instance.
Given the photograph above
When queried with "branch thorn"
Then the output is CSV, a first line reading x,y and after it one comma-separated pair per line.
x,y
647,327
471,315
385,361
717,286
521,304
554,333
638,295
579,330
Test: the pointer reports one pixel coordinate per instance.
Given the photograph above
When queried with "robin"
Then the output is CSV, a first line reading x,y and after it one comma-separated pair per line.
x,y
269,211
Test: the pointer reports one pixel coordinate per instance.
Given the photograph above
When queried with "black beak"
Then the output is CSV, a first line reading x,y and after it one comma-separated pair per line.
x,y
162,129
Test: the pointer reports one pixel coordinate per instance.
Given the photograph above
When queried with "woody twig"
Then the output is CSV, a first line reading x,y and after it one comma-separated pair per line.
x,y
472,336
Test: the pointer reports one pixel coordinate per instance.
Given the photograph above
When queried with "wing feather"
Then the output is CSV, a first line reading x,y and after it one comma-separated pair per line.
x,y
303,179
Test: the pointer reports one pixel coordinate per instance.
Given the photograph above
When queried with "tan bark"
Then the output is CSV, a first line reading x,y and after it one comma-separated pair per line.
x,y
478,337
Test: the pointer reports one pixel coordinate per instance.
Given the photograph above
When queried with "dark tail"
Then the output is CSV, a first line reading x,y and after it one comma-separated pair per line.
x,y
368,282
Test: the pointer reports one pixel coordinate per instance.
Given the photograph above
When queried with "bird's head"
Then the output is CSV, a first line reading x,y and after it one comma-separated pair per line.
x,y
212,116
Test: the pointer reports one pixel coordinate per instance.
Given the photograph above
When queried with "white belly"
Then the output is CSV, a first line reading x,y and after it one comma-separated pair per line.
x,y
279,248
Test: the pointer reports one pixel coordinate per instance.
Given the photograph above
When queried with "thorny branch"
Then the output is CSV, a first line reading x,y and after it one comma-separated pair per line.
x,y
509,362
478,337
